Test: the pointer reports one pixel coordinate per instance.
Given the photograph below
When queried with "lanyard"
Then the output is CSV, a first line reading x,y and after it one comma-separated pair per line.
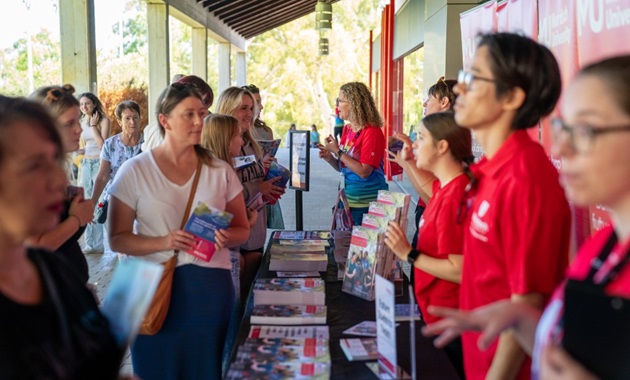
x,y
612,258
347,148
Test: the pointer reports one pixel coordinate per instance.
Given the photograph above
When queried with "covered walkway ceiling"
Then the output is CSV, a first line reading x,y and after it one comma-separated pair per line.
x,y
250,18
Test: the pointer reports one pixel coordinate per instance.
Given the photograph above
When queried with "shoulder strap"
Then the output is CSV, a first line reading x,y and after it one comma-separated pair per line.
x,y
191,196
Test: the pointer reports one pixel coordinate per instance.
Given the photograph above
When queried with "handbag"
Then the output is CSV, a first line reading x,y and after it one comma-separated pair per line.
x,y
156,314
101,212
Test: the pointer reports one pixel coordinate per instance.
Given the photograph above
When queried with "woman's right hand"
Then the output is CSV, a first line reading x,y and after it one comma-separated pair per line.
x,y
406,153
94,119
82,209
179,240
268,189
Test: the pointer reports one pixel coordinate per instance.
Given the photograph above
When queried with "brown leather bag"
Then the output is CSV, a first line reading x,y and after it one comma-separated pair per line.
x,y
155,316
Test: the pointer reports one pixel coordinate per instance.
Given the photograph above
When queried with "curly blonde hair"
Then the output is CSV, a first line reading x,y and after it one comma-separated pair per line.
x,y
363,109
229,101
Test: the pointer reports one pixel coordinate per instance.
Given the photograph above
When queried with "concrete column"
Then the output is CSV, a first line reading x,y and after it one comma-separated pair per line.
x,y
225,80
157,20
241,69
78,52
443,38
200,52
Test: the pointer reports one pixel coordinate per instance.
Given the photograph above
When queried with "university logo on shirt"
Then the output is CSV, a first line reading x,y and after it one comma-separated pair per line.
x,y
478,227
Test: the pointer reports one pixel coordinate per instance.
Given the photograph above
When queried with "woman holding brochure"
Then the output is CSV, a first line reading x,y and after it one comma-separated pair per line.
x,y
240,104
50,324
444,150
590,307
147,201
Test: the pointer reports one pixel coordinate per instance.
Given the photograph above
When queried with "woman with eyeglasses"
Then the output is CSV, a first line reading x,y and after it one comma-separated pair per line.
x,y
240,104
148,198
96,129
443,149
50,324
77,211
518,221
360,153
583,332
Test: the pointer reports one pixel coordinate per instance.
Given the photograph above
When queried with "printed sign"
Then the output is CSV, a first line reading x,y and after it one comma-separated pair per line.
x,y
299,156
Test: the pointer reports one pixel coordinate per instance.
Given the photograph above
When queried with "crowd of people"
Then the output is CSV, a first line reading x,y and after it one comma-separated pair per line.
x,y
490,257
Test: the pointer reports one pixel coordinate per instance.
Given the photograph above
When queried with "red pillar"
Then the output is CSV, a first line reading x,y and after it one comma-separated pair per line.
x,y
387,72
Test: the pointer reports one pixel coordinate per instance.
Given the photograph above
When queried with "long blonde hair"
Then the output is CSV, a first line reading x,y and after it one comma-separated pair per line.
x,y
229,101
217,134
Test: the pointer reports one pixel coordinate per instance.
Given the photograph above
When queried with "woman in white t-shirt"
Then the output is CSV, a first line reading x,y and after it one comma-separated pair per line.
x,y
147,201
95,127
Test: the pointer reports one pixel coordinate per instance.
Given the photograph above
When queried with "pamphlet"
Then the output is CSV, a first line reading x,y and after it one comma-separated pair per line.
x,y
203,223
359,348
129,295
365,328
269,146
298,274
277,170
292,332
302,235
256,202
243,161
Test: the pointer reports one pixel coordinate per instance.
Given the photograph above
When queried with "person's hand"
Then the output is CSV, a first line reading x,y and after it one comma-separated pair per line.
x,y
221,238
396,240
179,240
557,364
268,189
325,154
82,209
491,320
330,144
267,160
252,215
406,153
94,119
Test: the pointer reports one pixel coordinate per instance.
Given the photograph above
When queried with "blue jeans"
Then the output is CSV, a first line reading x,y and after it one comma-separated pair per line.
x,y
93,232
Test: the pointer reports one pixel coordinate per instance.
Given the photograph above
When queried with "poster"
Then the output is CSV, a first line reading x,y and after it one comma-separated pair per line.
x,y
299,160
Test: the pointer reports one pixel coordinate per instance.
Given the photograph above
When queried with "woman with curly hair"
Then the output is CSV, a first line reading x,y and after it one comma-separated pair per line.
x,y
96,129
359,154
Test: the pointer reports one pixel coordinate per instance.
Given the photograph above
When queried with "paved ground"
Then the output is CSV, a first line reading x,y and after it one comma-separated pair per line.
x,y
317,206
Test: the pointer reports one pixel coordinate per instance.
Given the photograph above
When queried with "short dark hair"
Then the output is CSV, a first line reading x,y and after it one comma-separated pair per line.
x,y
518,61
126,105
615,73
443,88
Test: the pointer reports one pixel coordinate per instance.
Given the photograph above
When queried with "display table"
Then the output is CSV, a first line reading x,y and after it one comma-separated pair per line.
x,y
345,311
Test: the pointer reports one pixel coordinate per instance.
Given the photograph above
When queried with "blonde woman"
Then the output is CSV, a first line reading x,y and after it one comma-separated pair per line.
x,y
241,104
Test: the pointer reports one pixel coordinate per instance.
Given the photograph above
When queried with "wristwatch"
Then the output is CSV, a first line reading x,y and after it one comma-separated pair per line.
x,y
413,256
339,153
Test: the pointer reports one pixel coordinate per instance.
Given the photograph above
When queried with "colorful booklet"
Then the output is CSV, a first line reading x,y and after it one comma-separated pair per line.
x,y
289,291
358,278
257,202
277,170
359,348
203,223
365,328
269,146
403,312
290,332
307,343
302,235
271,369
129,295
288,315
283,353
243,161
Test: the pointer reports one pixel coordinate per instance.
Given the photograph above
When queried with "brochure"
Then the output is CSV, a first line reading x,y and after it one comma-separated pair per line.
x,y
361,264
257,202
277,170
243,161
298,274
359,348
291,332
288,315
403,312
269,146
365,328
203,223
302,235
129,295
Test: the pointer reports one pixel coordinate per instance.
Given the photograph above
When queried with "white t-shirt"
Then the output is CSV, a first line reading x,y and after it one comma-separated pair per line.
x,y
152,137
160,204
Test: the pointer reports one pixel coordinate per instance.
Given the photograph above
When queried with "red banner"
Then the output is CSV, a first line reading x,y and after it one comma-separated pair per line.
x,y
603,28
481,19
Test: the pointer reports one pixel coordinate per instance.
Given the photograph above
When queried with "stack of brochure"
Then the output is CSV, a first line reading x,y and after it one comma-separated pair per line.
x,y
289,291
281,352
298,255
360,271
359,348
289,315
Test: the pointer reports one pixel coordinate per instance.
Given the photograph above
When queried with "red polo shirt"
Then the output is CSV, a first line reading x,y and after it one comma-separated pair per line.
x,y
517,236
440,236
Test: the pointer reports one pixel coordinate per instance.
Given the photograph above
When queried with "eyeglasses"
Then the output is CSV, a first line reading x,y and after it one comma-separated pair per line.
x,y
581,136
466,78
467,198
337,101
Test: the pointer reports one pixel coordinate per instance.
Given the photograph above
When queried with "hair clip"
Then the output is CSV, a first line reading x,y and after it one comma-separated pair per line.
x,y
68,88
441,80
53,94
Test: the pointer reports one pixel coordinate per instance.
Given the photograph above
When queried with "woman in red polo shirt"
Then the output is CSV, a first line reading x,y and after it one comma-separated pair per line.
x,y
444,150
517,227
589,313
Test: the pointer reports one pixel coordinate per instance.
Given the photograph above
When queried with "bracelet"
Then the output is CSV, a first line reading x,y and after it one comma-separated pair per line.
x,y
78,219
